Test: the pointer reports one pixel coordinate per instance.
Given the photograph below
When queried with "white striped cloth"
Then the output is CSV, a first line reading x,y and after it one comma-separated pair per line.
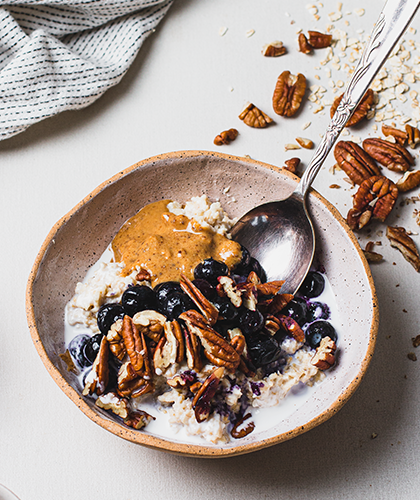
x,y
57,55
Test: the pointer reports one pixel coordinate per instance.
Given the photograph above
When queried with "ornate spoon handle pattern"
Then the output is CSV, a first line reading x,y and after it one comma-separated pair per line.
x,y
393,21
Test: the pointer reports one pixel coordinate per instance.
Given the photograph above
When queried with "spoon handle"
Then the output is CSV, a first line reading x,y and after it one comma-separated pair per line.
x,y
393,21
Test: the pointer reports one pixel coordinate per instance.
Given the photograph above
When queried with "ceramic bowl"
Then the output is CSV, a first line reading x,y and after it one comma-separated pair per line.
x,y
76,241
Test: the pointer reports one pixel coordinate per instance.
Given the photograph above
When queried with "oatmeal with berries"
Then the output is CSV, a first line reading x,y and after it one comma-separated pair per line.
x,y
177,328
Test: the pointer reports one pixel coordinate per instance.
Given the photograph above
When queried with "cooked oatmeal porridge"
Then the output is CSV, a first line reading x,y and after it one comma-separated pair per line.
x,y
175,328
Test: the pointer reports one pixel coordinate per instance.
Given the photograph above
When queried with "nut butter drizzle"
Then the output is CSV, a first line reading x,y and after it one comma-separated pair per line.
x,y
167,245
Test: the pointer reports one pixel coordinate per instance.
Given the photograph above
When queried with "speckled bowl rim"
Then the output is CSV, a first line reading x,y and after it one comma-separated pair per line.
x,y
185,449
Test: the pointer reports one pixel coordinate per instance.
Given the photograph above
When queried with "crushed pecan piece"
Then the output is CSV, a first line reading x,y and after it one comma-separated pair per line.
x,y
305,143
291,327
392,156
375,197
292,165
68,360
167,350
355,162
254,117
116,343
361,110
408,181
113,402
370,255
304,45
138,419
192,350
150,323
272,324
319,40
226,137
288,93
274,49
399,238
143,275
399,135
231,291
239,431
324,357
413,136
202,400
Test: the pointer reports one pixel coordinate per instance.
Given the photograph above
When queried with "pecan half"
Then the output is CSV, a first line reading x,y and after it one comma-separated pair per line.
x,y
230,290
133,343
202,400
254,117
319,40
304,45
288,93
361,110
138,419
324,357
392,156
226,137
375,198
399,135
208,310
216,348
97,379
399,238
150,323
167,350
192,350
413,136
291,327
274,49
116,343
239,430
409,180
355,162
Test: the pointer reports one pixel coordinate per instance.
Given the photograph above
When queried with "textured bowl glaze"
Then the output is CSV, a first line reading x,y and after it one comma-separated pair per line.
x,y
76,241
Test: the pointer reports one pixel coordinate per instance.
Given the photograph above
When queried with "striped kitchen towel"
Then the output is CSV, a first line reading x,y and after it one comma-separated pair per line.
x,y
57,55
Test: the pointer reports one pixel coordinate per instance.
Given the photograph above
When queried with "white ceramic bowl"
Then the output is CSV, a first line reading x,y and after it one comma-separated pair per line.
x,y
76,241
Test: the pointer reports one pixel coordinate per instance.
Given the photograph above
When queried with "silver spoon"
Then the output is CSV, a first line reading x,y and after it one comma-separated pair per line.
x,y
280,234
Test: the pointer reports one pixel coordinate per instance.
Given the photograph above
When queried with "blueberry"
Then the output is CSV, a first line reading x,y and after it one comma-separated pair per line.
x,y
225,307
205,288
210,270
92,346
296,309
76,349
250,321
313,285
317,331
263,349
108,314
222,327
246,257
164,289
318,310
253,265
175,304
138,298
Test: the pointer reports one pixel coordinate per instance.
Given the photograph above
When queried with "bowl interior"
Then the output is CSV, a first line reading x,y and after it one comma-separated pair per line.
x,y
76,242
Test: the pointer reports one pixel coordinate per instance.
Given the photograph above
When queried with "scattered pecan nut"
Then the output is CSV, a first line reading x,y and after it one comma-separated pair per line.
x,y
254,117
375,198
324,357
400,239
392,156
305,143
288,93
304,46
355,162
408,181
226,137
399,135
361,110
292,165
274,49
319,40
413,136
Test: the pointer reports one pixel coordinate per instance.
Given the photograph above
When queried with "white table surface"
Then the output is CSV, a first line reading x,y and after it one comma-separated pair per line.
x,y
187,85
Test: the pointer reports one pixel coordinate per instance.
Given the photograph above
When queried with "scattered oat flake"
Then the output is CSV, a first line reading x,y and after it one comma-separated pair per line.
x,y
306,125
222,31
288,147
359,12
249,33
374,435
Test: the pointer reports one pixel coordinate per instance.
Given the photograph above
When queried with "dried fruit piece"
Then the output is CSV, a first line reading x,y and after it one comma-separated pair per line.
x,y
355,162
254,117
226,137
304,45
361,110
399,135
399,238
319,40
288,93
274,49
375,198
392,156
409,180
413,136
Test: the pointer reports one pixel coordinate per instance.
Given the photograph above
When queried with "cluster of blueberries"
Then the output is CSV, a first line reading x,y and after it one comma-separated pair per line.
x,y
169,299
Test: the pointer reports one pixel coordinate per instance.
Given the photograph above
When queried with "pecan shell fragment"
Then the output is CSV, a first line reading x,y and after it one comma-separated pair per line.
x,y
288,93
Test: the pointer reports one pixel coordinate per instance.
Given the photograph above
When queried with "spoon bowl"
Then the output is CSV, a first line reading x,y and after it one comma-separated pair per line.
x,y
280,234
